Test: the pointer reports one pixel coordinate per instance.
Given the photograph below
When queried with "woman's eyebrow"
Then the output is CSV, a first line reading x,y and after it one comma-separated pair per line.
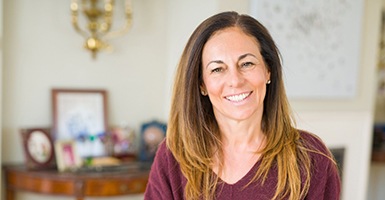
x,y
245,55
239,58
215,61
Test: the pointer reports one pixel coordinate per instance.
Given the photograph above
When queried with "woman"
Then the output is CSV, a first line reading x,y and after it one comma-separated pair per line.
x,y
230,133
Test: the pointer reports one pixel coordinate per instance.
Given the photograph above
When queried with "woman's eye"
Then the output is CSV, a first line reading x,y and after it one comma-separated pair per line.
x,y
247,64
216,70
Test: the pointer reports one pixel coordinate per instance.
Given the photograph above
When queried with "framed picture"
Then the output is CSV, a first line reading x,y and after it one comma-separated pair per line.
x,y
81,115
38,148
124,143
67,157
151,135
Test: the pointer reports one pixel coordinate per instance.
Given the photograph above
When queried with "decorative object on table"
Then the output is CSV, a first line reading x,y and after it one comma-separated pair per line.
x,y
81,115
124,143
152,133
38,148
104,161
67,157
99,17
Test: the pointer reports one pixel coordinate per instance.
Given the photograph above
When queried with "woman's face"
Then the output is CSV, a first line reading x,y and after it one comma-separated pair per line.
x,y
234,75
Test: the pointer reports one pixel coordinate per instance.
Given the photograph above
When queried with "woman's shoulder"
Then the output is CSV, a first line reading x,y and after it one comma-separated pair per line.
x,y
164,157
164,153
162,147
312,141
165,163
166,180
317,149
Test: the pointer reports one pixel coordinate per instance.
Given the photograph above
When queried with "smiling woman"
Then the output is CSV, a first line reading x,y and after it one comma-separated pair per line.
x,y
236,84
230,134
234,73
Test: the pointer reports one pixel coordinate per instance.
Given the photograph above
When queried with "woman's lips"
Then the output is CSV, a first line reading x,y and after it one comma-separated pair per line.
x,y
238,97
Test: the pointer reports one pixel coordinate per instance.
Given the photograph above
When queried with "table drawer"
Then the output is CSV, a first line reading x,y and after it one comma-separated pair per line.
x,y
115,186
46,185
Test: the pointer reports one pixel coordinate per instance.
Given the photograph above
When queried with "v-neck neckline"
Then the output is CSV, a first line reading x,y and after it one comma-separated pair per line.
x,y
244,178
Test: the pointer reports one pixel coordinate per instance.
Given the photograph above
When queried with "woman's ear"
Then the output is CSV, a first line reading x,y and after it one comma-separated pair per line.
x,y
203,90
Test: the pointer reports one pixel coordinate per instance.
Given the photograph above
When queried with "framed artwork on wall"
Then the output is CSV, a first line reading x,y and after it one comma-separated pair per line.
x,y
38,148
81,115
318,62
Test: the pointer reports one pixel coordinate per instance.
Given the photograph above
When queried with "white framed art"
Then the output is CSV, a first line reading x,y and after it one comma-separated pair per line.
x,y
320,43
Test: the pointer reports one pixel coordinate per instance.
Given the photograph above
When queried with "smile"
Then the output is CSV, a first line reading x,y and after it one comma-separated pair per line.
x,y
238,97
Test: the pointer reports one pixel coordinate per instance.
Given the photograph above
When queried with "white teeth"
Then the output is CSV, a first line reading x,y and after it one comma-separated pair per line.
x,y
237,98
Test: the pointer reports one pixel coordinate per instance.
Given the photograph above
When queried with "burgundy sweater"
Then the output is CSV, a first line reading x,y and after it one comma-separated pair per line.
x,y
166,181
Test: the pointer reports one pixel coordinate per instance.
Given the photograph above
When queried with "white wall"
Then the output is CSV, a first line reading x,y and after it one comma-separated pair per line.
x,y
377,181
1,75
42,51
181,24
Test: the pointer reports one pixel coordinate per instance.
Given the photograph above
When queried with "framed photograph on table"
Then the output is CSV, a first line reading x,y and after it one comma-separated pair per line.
x,y
151,135
67,156
38,148
81,115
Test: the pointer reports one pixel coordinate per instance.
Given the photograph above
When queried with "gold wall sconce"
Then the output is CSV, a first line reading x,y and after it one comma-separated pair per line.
x,y
98,17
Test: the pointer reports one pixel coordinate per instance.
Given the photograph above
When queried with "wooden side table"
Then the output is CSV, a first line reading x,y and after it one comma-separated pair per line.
x,y
121,180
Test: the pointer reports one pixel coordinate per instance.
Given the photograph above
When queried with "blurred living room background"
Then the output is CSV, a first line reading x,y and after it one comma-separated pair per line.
x,y
40,50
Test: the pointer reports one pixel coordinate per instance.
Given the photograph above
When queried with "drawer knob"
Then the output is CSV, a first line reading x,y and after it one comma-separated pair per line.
x,y
123,188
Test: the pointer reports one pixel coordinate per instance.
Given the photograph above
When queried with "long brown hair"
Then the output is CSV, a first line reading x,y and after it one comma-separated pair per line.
x,y
193,134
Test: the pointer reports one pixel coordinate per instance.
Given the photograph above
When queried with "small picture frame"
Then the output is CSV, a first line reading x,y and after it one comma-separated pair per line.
x,y
38,148
67,157
81,115
151,135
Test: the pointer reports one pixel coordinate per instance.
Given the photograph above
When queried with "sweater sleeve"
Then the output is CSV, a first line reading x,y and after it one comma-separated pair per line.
x,y
325,181
165,182
333,184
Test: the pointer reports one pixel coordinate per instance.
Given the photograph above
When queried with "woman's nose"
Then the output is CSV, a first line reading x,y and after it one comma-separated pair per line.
x,y
235,78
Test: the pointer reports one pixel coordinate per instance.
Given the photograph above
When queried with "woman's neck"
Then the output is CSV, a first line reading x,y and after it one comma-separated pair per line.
x,y
241,149
241,135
